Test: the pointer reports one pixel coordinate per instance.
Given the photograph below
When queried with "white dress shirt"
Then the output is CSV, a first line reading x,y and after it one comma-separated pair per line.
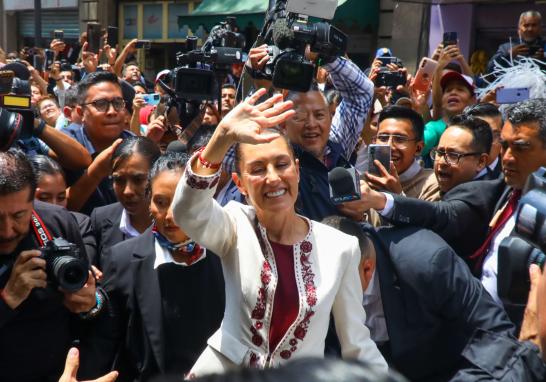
x,y
375,316
490,264
125,225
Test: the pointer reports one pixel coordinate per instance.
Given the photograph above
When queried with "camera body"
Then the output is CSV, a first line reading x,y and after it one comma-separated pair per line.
x,y
65,267
196,77
517,252
287,35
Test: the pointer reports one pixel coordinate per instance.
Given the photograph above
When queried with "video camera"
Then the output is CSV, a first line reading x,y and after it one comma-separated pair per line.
x,y
200,73
16,115
65,267
288,31
517,252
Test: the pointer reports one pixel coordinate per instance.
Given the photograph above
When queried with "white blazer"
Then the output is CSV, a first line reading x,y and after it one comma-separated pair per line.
x,y
326,269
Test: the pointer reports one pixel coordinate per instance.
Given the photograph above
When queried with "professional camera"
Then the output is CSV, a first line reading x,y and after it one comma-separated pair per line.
x,y
200,72
288,31
64,265
527,246
16,116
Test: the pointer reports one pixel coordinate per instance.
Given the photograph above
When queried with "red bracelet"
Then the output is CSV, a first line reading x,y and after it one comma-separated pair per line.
x,y
206,163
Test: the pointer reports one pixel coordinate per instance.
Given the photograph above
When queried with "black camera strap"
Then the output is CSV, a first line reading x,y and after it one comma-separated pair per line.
x,y
42,234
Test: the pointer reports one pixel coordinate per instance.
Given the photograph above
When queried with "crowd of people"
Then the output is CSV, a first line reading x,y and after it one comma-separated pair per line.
x,y
211,243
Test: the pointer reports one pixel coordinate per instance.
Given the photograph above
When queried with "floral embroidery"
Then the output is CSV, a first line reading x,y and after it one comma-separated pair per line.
x,y
258,313
199,182
214,182
311,297
253,360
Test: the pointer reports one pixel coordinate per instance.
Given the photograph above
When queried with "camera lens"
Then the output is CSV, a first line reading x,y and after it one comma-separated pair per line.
x,y
10,128
69,272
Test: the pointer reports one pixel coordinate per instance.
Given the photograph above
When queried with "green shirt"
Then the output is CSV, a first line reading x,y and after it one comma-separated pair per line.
x,y
433,132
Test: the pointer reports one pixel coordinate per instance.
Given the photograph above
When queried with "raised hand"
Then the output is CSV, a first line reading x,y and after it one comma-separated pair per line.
x,y
247,122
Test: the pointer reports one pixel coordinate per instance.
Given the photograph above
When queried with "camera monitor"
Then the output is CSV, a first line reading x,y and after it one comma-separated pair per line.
x,y
326,10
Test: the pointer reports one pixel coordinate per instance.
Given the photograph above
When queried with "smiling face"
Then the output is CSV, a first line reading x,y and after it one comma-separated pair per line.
x,y
523,152
402,155
51,189
49,111
310,127
457,140
163,188
456,97
130,180
269,176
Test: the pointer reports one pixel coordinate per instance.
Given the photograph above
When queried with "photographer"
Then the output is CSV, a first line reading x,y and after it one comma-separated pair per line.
x,y
38,319
322,142
530,43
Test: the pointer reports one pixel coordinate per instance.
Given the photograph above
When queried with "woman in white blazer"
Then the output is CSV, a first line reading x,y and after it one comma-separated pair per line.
x,y
270,316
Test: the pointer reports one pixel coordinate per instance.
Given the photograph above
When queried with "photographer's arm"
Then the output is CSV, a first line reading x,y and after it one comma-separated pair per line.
x,y
357,93
66,150
529,326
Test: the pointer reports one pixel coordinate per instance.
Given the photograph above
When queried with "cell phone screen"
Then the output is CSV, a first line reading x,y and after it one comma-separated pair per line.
x,y
450,38
112,36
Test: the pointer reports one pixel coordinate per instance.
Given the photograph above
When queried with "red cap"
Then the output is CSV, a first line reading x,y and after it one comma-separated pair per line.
x,y
452,76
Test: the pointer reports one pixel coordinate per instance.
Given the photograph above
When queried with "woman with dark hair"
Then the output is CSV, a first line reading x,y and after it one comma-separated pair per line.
x,y
169,288
51,188
129,217
284,274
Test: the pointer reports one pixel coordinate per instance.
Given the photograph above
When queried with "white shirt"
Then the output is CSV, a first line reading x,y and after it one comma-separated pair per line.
x,y
491,167
375,316
411,171
163,256
125,225
490,264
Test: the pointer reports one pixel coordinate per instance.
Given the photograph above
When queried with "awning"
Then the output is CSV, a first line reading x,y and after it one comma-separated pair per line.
x,y
234,7
446,2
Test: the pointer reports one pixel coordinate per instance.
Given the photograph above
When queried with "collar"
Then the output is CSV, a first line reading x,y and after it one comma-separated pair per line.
x,y
189,248
163,256
487,169
411,171
125,225
372,292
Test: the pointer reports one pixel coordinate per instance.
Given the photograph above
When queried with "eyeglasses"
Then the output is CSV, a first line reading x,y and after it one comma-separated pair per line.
x,y
397,140
103,105
451,157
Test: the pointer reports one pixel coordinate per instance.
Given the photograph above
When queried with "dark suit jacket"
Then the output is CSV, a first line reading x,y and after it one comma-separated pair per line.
x,y
461,218
105,224
431,301
132,336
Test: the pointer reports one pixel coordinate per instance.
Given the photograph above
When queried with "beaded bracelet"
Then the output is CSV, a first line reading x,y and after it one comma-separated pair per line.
x,y
206,163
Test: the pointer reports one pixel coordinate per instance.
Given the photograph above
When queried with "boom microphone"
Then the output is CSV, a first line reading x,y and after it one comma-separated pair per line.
x,y
177,147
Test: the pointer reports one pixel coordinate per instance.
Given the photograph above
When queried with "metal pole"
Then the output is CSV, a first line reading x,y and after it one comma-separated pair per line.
x,y
38,23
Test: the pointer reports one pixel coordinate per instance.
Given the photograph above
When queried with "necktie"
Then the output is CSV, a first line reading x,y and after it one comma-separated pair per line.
x,y
479,256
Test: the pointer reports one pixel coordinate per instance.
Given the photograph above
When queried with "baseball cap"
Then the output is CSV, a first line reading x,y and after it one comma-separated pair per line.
x,y
383,52
162,74
452,76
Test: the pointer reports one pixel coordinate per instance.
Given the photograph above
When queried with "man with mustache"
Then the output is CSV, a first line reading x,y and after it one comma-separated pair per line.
x,y
38,320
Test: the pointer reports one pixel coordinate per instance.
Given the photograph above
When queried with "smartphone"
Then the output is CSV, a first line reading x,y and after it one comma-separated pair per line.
x,y
390,79
152,99
93,37
382,153
423,77
146,44
512,95
49,58
36,61
58,34
385,60
450,38
112,36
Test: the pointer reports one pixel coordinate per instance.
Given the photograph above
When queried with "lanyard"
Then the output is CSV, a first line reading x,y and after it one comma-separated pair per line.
x,y
41,232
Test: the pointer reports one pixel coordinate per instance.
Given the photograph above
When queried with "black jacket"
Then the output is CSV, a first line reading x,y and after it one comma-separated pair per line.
x,y
35,337
105,225
133,340
461,218
431,302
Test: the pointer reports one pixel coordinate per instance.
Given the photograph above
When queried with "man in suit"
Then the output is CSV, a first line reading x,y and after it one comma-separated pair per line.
x,y
492,115
422,303
523,140
466,206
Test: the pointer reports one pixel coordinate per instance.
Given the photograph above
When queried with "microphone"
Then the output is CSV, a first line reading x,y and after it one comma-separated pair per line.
x,y
283,35
177,147
344,185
